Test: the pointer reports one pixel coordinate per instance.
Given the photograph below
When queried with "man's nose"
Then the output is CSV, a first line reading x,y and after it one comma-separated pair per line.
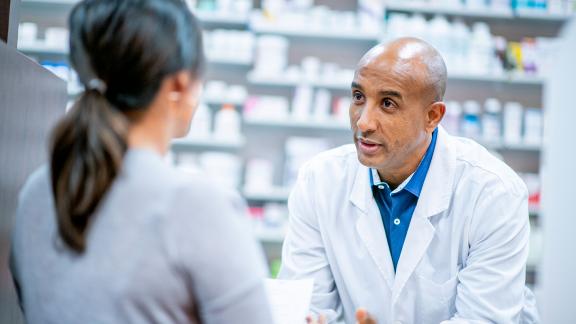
x,y
367,121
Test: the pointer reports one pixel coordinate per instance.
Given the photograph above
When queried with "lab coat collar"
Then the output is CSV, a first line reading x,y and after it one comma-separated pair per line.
x,y
436,191
438,186
434,199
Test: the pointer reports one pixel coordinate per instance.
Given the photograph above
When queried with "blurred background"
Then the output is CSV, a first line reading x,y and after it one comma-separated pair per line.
x,y
277,87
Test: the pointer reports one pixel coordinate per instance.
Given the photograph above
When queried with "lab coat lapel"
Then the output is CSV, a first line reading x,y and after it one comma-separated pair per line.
x,y
434,199
369,224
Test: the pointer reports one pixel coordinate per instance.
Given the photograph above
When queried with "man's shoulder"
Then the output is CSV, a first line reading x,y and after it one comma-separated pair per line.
x,y
479,164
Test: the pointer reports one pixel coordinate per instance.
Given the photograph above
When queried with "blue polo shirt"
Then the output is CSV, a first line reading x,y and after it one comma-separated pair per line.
x,y
396,207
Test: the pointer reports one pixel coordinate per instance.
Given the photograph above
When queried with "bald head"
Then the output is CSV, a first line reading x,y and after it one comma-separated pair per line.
x,y
412,58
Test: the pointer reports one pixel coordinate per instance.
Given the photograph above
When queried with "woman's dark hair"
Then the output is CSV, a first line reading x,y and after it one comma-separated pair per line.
x,y
122,50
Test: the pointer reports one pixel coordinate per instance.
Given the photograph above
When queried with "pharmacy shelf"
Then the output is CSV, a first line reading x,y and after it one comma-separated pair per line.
x,y
427,8
484,13
542,16
290,82
211,101
39,48
282,81
221,18
521,147
275,194
505,79
222,101
207,144
208,17
42,49
230,61
270,236
291,123
513,147
274,81
313,33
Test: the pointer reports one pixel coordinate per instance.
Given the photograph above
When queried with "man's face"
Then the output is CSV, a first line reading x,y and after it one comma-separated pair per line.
x,y
388,114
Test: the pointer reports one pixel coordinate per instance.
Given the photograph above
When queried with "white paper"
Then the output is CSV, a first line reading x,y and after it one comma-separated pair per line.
x,y
289,299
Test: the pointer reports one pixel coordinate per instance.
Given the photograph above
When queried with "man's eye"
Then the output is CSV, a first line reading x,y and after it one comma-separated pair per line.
x,y
357,96
387,103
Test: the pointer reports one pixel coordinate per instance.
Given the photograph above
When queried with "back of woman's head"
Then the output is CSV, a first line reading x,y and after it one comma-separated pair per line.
x,y
122,50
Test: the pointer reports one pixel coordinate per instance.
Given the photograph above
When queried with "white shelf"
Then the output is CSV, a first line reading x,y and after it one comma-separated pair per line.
x,y
541,15
488,13
521,147
230,18
263,28
534,211
273,194
513,147
509,79
291,82
300,124
287,82
42,49
270,236
273,81
427,8
209,101
334,85
212,17
229,61
221,18
39,48
222,101
208,143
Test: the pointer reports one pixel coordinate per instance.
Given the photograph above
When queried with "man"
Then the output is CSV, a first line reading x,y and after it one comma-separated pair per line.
x,y
410,223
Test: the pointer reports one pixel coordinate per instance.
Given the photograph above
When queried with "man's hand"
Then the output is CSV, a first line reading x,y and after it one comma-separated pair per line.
x,y
362,317
320,320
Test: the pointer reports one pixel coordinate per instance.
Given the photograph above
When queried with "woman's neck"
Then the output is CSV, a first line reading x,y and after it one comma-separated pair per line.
x,y
150,131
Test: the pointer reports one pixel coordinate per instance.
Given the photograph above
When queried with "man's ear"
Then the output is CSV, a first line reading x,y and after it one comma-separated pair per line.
x,y
435,114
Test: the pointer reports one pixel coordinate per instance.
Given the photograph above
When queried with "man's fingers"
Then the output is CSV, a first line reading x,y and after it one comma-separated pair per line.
x,y
362,317
310,319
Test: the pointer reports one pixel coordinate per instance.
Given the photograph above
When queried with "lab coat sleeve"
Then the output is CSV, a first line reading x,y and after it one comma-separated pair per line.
x,y
303,252
491,285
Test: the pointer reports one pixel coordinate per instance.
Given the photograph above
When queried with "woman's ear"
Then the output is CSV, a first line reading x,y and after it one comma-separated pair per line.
x,y
179,85
184,93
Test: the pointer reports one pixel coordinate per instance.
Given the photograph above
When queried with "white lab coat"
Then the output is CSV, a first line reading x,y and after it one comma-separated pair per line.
x,y
463,260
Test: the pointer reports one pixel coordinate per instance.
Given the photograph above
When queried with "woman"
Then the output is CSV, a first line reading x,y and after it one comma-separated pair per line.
x,y
109,232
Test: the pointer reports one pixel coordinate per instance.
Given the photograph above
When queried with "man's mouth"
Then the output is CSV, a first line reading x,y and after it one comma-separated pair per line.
x,y
368,146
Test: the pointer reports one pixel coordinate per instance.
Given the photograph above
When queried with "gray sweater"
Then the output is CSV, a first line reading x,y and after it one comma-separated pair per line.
x,y
163,247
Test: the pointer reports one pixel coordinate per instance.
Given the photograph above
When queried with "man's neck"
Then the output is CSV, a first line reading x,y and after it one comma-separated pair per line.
x,y
395,176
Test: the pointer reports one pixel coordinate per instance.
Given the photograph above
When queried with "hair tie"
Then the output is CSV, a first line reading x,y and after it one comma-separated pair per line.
x,y
98,85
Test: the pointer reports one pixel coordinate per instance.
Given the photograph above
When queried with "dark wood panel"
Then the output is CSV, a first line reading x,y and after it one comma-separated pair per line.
x,y
31,101
4,19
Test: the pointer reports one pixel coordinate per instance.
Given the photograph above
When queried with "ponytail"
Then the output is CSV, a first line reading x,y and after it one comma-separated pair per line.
x,y
88,146
121,61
